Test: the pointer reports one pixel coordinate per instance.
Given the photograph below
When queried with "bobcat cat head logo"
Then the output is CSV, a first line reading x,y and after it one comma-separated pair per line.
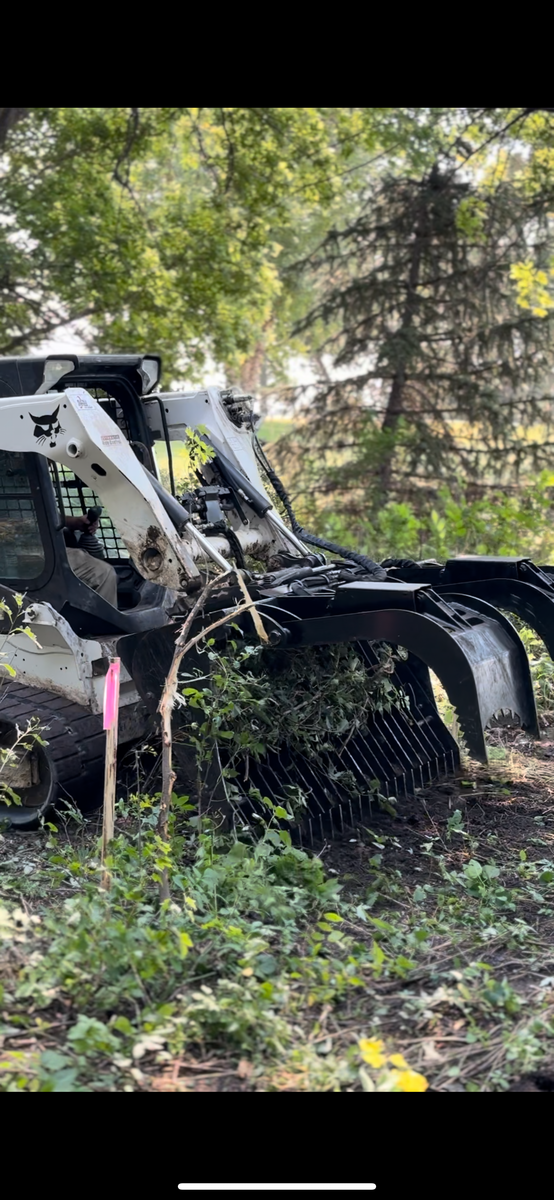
x,y
47,426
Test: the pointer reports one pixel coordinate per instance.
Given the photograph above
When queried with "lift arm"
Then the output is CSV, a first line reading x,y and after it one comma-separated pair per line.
x,y
173,413
72,429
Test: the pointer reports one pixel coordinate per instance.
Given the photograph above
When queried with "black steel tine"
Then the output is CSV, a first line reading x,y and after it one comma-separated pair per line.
x,y
397,734
381,759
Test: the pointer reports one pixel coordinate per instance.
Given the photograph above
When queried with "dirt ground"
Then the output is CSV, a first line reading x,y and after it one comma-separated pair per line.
x,y
508,808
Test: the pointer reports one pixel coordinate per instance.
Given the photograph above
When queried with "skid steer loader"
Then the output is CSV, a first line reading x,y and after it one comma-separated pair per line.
x,y
80,432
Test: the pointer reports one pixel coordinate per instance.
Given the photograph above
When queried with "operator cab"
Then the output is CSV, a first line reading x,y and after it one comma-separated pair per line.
x,y
34,493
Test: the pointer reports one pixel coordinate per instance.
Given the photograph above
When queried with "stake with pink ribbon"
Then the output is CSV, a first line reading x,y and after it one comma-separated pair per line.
x,y
111,714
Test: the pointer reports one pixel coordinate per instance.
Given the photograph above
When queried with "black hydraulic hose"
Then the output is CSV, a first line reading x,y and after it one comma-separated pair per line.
x,y
223,529
399,562
167,446
368,564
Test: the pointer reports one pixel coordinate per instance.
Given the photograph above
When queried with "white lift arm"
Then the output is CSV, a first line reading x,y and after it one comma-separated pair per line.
x,y
205,409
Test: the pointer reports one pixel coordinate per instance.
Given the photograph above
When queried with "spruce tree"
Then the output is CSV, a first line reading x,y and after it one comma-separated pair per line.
x,y
421,318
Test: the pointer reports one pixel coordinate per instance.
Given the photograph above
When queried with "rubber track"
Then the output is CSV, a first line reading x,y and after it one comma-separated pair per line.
x,y
76,742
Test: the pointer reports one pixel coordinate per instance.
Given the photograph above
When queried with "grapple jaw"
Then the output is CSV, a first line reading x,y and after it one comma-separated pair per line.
x,y
475,652
514,584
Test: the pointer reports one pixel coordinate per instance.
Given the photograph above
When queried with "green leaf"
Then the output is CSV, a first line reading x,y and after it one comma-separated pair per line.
x,y
381,924
185,943
282,812
274,837
64,1081
265,965
53,1061
123,1025
238,852
378,956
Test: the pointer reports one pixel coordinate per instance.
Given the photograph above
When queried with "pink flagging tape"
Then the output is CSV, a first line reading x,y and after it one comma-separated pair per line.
x,y
111,694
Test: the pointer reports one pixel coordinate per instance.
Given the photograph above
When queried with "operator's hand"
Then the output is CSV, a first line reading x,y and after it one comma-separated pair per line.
x,y
81,523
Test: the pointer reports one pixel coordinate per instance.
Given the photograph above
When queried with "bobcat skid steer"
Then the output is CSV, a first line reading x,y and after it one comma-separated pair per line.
x,y
81,432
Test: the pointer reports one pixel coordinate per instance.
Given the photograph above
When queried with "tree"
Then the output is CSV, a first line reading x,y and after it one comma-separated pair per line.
x,y
159,226
424,330
175,228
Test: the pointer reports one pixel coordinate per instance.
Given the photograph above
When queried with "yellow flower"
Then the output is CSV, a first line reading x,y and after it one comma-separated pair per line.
x,y
372,1052
398,1060
411,1081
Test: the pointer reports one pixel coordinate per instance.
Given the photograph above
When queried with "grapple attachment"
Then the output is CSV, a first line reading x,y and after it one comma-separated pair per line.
x,y
478,658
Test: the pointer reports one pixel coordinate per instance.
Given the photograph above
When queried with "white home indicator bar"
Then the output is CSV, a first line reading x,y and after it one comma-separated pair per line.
x,y
277,1187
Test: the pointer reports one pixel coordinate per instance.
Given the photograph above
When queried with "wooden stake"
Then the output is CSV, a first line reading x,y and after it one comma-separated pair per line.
x,y
111,714
165,707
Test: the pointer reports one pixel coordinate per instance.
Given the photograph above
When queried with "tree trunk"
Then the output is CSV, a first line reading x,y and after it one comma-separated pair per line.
x,y
8,118
249,375
395,403
167,701
251,370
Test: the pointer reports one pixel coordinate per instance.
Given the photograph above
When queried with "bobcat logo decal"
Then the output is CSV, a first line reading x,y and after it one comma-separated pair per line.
x,y
47,426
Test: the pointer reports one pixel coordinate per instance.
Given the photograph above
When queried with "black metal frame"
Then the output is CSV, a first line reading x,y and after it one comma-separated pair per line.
x,y
515,584
87,612
32,464
22,376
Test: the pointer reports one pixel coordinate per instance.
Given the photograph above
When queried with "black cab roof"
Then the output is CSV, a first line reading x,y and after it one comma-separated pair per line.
x,y
25,376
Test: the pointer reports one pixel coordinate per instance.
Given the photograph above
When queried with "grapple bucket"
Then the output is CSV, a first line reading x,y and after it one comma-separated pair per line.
x,y
478,657
475,652
400,750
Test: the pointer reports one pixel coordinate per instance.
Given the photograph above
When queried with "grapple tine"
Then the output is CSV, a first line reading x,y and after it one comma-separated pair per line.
x,y
526,707
532,604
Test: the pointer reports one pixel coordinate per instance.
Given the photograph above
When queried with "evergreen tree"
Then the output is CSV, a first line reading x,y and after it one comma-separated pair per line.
x,y
422,322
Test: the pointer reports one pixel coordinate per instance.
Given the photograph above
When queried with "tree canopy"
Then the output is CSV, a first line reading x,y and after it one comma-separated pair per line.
x,y
406,252
177,228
